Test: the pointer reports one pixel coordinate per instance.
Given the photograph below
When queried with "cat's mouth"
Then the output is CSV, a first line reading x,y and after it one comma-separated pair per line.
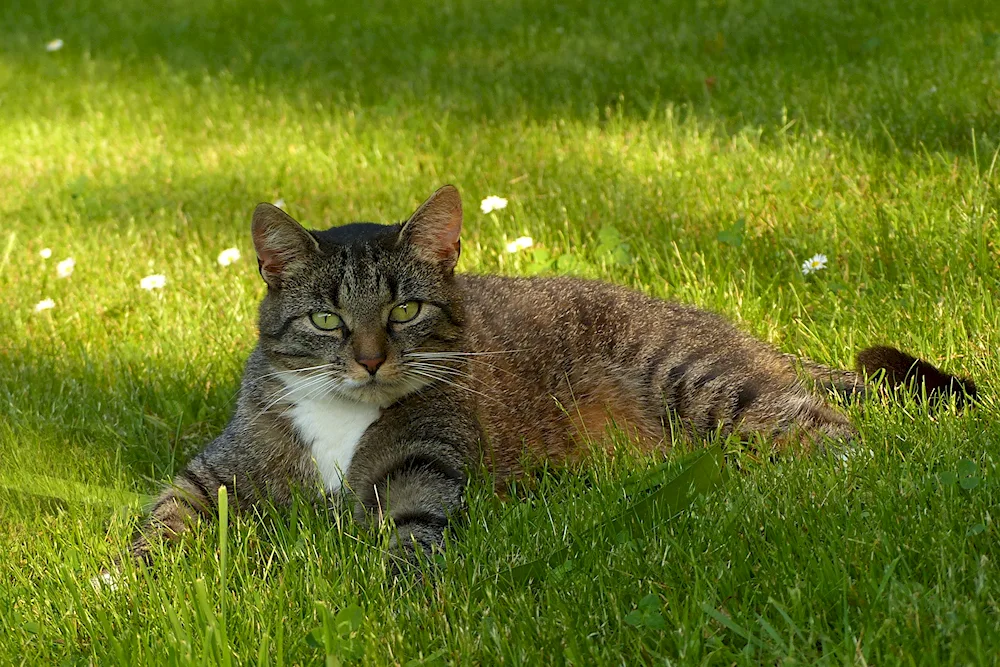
x,y
388,385
381,388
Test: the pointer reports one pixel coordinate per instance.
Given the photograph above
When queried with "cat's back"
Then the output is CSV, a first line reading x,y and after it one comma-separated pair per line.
x,y
590,315
554,361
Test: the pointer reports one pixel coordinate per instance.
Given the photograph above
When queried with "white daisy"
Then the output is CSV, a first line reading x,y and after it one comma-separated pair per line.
x,y
814,264
54,45
65,267
155,281
46,253
44,304
228,256
520,243
105,581
493,203
280,203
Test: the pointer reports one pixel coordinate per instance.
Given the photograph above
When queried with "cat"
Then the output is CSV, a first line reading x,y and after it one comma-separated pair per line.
x,y
384,376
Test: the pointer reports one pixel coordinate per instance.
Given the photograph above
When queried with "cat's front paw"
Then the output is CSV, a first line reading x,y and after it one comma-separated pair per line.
x,y
408,552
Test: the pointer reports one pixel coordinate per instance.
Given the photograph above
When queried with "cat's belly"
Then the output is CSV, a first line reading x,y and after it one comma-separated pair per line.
x,y
331,426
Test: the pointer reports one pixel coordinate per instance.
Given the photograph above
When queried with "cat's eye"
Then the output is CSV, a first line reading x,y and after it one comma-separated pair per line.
x,y
326,321
404,312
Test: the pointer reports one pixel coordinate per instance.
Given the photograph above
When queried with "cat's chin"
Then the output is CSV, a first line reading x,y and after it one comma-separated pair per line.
x,y
378,392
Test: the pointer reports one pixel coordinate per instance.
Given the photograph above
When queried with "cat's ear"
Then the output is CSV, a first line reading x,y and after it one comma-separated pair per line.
x,y
434,229
280,242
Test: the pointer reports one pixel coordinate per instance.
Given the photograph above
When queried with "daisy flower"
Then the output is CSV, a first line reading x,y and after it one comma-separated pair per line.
x,y
155,281
65,268
493,203
54,45
280,203
105,580
45,253
813,264
44,304
228,256
520,243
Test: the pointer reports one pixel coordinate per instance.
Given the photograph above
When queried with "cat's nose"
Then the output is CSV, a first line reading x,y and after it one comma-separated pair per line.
x,y
371,364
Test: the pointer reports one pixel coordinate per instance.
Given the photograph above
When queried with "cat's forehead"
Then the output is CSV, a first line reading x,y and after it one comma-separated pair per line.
x,y
359,260
363,266
355,234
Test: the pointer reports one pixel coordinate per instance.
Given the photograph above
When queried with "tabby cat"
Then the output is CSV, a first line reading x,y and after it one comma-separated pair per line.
x,y
383,376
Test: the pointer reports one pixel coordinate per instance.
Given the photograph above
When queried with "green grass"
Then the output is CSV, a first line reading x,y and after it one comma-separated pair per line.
x,y
867,131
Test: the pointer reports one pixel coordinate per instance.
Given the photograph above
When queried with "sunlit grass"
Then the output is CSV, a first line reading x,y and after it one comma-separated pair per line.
x,y
696,151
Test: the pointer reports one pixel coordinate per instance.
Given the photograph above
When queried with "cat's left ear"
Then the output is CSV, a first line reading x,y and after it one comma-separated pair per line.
x,y
434,229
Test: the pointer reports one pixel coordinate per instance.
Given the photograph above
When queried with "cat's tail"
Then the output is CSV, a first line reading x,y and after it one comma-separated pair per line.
x,y
896,369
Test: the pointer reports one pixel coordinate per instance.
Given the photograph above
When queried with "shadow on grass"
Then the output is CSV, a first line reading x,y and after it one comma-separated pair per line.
x,y
106,419
900,74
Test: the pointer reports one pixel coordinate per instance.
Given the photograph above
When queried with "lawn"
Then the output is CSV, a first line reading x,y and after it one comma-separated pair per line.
x,y
694,149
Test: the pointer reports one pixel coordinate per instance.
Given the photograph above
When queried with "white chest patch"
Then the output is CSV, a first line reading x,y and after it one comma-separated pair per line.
x,y
330,426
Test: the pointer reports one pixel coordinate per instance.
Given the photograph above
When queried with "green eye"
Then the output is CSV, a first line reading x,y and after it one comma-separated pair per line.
x,y
404,312
326,321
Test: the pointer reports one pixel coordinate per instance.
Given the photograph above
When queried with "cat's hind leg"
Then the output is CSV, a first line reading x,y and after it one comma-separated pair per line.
x,y
797,419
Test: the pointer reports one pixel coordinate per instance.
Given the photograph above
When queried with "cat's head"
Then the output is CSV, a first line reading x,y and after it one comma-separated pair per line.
x,y
363,311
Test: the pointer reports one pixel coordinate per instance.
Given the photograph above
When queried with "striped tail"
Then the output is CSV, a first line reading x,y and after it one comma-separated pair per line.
x,y
898,370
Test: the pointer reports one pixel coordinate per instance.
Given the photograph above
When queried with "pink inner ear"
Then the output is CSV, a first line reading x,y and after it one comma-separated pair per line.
x,y
441,242
268,259
279,241
448,240
434,229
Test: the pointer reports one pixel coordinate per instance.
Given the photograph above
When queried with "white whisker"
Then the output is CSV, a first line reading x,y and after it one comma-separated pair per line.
x,y
438,378
285,391
323,389
458,353
426,364
461,357
297,370
453,372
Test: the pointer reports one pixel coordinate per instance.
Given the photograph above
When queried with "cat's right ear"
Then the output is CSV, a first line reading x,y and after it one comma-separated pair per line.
x,y
280,242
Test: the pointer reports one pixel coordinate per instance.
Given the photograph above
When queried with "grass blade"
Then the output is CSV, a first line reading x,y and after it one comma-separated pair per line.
x,y
6,252
224,656
700,475
733,626
70,491
773,634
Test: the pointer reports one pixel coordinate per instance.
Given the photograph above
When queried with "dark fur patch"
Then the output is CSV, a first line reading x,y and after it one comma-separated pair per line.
x,y
677,375
748,394
421,517
354,233
904,371
714,372
653,367
207,500
426,464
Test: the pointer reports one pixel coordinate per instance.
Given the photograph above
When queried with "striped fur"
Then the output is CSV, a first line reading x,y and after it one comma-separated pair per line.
x,y
496,370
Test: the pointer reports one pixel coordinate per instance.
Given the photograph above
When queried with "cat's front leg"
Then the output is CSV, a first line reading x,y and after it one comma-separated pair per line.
x,y
192,495
255,467
410,469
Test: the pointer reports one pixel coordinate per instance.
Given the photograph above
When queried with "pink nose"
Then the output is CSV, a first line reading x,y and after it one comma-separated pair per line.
x,y
372,364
